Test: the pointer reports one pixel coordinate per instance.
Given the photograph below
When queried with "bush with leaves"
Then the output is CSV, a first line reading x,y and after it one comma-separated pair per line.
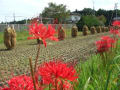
x,y
88,20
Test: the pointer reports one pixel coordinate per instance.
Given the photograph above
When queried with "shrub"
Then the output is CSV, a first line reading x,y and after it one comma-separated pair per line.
x,y
102,19
74,31
89,21
10,38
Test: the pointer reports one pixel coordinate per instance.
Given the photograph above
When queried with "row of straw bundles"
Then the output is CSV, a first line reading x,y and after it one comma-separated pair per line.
x,y
102,29
10,34
10,38
93,30
61,32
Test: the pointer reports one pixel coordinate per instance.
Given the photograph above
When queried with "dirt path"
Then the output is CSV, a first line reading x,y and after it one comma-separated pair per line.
x,y
16,60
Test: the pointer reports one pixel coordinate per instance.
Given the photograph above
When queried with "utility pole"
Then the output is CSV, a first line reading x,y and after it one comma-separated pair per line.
x,y
93,7
40,18
26,21
5,20
115,8
14,17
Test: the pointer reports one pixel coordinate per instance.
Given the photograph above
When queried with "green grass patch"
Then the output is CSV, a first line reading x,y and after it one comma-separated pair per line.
x,y
22,35
1,37
94,76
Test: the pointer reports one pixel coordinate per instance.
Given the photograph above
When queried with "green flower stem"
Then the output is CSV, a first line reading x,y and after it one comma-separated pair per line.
x,y
32,73
37,57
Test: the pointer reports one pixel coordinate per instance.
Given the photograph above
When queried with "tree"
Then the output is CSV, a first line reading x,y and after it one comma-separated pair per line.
x,y
89,20
54,11
102,19
88,11
101,12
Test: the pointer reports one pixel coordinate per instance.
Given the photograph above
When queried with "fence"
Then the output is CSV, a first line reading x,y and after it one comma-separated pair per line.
x,y
22,27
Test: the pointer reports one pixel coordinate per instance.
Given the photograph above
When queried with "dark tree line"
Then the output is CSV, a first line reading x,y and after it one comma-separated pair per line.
x,y
109,14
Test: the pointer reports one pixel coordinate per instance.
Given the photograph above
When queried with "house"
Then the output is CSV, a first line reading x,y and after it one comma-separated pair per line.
x,y
116,18
73,18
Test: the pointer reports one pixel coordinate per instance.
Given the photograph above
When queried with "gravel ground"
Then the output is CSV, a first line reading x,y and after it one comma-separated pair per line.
x,y
70,49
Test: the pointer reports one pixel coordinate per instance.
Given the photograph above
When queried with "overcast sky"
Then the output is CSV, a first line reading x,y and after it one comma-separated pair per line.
x,y
31,8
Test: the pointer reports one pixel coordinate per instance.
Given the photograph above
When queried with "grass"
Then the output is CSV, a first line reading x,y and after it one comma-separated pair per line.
x,y
1,37
22,35
94,76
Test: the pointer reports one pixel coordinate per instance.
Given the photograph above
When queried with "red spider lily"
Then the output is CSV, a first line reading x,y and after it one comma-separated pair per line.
x,y
116,23
104,44
5,88
114,31
55,21
39,31
21,82
34,20
57,73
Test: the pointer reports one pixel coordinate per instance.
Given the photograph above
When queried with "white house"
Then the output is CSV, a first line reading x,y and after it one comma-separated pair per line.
x,y
74,18
116,18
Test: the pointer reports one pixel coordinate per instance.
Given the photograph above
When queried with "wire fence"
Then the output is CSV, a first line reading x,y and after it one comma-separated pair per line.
x,y
22,27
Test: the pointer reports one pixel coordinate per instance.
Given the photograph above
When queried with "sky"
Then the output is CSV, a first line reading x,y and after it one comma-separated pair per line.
x,y
23,9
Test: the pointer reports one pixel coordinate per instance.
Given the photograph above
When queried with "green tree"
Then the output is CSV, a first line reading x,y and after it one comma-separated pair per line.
x,y
102,19
88,11
88,20
56,11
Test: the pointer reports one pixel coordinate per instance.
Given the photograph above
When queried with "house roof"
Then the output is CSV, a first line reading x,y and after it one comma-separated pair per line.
x,y
116,18
74,14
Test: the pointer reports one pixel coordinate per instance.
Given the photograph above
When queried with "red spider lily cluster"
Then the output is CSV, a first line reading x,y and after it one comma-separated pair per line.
x,y
105,44
58,74
55,73
21,82
114,30
116,23
55,21
40,31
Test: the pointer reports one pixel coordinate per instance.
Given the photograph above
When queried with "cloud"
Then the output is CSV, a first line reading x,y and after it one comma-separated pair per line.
x,y
31,8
